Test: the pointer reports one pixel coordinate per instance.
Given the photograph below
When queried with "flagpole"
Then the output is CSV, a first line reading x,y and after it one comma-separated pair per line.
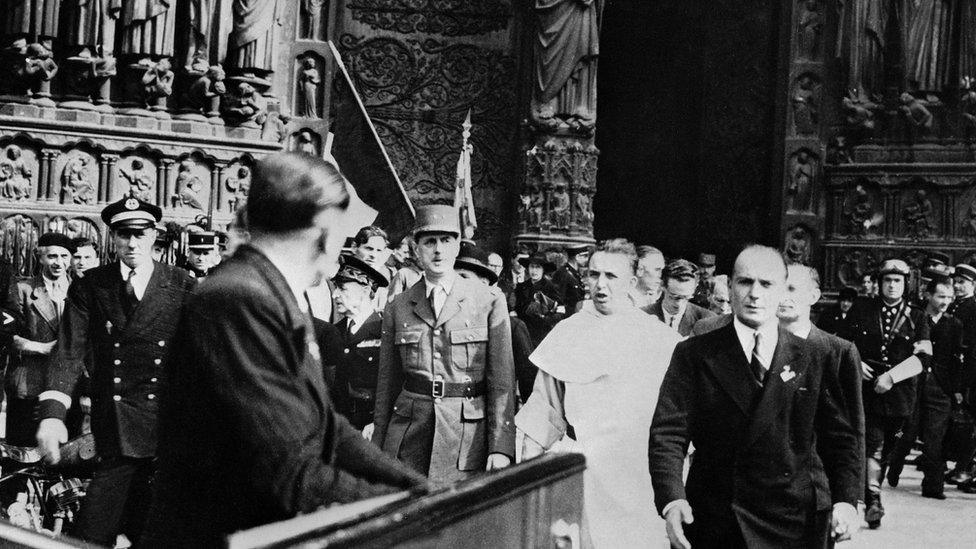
x,y
463,198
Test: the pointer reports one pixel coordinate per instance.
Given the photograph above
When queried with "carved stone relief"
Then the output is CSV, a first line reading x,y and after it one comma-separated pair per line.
x,y
192,187
803,174
79,178
918,214
18,172
140,176
798,244
18,238
805,103
238,185
313,19
309,88
809,31
444,17
863,216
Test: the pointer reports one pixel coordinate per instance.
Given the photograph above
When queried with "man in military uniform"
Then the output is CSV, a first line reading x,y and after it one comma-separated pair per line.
x,y
893,340
202,253
124,315
569,279
445,397
706,272
964,309
355,387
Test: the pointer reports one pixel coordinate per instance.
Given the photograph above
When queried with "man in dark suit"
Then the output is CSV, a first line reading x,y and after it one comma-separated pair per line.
x,y
248,435
569,280
839,320
675,309
40,303
893,340
118,321
760,406
964,309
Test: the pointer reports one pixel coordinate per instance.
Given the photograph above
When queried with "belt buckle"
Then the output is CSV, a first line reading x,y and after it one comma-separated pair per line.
x,y
437,388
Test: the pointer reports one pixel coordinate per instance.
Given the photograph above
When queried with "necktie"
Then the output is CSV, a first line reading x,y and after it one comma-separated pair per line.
x,y
758,371
130,292
671,322
349,326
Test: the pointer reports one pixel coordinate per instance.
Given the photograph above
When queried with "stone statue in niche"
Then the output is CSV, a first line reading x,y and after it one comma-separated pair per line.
x,y
206,32
566,48
559,212
246,106
157,84
313,19
188,186
204,94
916,215
15,174
806,104
926,42
810,29
32,20
584,208
141,179
524,206
970,225
802,172
147,27
861,215
859,111
967,102
916,111
309,83
89,36
307,142
797,246
536,207
275,127
38,70
239,186
76,182
838,151
252,42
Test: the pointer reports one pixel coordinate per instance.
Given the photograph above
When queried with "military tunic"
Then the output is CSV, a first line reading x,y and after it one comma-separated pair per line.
x,y
357,369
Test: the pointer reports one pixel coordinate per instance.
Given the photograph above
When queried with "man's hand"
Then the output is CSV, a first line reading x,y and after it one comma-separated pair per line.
x,y
867,373
884,383
29,347
497,461
678,515
51,434
844,521
368,431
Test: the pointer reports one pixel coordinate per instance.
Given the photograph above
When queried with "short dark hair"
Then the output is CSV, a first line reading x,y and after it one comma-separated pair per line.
x,y
368,232
619,246
289,189
679,269
936,281
82,241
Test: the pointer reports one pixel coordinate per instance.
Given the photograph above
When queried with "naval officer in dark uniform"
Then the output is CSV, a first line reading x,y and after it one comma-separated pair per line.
x,y
122,315
360,329
202,253
569,279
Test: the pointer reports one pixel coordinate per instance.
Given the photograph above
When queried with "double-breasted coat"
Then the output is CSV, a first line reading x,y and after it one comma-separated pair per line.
x,y
128,353
26,372
356,370
447,438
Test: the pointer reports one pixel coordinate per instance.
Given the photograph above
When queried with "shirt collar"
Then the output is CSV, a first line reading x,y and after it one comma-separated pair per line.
x,y
936,318
746,335
141,272
292,277
447,283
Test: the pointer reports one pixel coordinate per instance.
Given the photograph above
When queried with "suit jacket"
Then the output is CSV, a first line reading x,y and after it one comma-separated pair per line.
x,y
26,372
910,328
834,322
693,313
125,354
570,287
711,323
470,341
248,435
947,336
757,467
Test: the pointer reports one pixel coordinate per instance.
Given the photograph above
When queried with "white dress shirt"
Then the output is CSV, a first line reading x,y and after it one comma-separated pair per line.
x,y
769,334
440,291
140,280
673,320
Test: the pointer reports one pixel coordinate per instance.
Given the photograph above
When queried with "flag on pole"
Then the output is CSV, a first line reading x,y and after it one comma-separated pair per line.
x,y
463,199
355,147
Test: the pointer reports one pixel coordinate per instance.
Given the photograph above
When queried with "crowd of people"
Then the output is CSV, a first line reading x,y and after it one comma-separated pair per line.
x,y
281,369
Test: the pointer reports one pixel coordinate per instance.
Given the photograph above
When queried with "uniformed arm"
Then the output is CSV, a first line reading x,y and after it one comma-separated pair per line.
x,y
840,425
249,365
543,418
389,377
67,363
500,380
669,433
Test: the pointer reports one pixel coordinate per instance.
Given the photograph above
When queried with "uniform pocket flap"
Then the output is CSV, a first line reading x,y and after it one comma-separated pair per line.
x,y
469,335
403,407
473,409
408,338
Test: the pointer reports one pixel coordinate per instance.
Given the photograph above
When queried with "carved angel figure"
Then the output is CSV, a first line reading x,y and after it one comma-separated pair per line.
x,y
239,187
140,180
76,185
559,215
916,215
916,111
188,186
15,175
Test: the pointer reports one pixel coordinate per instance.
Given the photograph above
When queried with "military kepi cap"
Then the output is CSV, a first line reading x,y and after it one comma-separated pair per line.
x,y
966,270
893,266
131,213
202,240
56,239
576,249
356,270
437,218
474,259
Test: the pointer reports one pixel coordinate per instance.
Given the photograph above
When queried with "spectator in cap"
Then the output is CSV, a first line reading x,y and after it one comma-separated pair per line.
x,y
650,265
446,388
568,279
85,256
537,300
675,309
355,387
474,264
894,343
839,320
162,243
40,302
248,432
706,271
202,253
119,320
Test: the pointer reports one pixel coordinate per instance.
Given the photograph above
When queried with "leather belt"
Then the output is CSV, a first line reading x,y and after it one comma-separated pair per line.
x,y
439,388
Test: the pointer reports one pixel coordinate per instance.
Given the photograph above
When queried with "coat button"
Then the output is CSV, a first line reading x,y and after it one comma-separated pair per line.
x,y
116,345
369,359
403,340
346,351
117,380
437,332
437,355
117,398
162,343
153,380
150,396
158,361
117,362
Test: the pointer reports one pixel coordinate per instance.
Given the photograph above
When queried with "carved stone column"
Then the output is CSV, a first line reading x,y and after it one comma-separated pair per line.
x,y
164,191
555,203
45,179
106,175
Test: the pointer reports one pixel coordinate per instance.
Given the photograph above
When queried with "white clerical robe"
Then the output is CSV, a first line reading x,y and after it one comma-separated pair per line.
x,y
601,375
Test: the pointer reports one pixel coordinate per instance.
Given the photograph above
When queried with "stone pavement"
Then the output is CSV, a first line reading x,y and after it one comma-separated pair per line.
x,y
914,522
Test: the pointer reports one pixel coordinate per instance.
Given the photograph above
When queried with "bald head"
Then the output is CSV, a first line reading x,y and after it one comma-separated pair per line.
x,y
758,283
